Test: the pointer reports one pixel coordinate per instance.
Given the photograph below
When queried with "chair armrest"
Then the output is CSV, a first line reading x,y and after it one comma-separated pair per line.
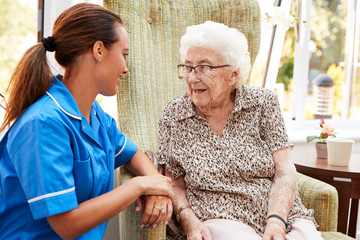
x,y
321,197
129,219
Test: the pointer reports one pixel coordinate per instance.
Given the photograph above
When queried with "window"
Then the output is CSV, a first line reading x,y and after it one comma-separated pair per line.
x,y
324,40
329,40
18,23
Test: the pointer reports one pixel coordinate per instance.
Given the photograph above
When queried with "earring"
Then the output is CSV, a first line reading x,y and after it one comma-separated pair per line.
x,y
99,60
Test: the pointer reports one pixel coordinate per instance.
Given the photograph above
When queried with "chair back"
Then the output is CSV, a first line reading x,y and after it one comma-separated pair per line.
x,y
155,28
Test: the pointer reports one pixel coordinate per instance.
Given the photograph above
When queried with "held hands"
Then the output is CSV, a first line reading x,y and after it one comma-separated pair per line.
x,y
274,230
158,193
157,209
155,185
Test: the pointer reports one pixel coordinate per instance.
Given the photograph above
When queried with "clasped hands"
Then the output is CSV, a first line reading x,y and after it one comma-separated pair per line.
x,y
157,209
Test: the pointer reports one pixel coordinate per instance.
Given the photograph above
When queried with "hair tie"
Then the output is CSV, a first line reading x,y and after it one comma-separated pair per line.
x,y
49,44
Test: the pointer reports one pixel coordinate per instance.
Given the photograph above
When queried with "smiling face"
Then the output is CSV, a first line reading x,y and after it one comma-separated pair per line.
x,y
213,89
113,66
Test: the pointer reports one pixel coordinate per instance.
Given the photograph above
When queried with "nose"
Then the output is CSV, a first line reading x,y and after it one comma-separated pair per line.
x,y
193,77
126,70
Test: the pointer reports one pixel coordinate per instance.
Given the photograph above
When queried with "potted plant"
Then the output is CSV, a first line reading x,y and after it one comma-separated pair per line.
x,y
327,130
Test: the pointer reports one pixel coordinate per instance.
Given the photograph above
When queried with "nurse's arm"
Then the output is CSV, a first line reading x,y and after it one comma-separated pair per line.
x,y
94,212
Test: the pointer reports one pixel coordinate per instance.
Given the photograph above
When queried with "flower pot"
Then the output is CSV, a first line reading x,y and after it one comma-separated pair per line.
x,y
321,150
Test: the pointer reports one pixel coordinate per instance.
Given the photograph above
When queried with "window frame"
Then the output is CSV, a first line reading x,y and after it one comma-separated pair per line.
x,y
298,128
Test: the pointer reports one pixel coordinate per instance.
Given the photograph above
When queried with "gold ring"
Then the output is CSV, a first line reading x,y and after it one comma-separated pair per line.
x,y
160,208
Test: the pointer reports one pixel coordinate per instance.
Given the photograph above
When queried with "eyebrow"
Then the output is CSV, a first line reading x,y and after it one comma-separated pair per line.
x,y
205,60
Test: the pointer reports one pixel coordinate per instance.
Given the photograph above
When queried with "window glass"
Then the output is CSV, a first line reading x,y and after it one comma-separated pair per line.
x,y
355,85
18,25
259,66
326,56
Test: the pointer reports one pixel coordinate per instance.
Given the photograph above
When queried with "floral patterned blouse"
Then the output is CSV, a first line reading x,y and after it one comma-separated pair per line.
x,y
229,176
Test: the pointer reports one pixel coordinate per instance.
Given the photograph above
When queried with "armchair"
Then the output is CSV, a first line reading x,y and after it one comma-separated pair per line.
x,y
154,28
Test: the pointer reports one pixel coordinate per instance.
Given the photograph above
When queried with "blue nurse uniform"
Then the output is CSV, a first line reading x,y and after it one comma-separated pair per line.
x,y
52,159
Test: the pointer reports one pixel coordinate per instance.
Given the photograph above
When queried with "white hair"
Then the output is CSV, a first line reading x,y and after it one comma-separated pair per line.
x,y
229,42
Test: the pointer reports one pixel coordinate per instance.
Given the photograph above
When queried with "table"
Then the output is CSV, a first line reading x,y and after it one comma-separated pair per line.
x,y
345,179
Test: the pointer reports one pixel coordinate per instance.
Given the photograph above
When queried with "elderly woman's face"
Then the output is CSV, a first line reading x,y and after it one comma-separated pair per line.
x,y
213,88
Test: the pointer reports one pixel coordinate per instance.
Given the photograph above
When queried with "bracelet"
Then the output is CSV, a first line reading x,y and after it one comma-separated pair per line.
x,y
288,225
178,217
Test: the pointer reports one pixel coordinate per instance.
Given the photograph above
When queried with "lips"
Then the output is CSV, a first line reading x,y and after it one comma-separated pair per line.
x,y
199,91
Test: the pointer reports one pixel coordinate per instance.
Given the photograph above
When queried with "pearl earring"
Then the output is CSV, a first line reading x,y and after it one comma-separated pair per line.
x,y
99,60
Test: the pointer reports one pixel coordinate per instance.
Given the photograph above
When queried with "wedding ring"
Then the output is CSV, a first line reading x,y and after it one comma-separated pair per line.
x,y
160,208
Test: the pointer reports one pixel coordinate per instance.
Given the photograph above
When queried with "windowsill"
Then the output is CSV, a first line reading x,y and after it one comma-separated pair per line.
x,y
299,130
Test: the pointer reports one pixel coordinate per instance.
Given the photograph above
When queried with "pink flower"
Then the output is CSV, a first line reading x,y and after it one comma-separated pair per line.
x,y
327,129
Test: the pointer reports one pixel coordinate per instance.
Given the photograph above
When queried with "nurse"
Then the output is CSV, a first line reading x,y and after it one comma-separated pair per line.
x,y
60,150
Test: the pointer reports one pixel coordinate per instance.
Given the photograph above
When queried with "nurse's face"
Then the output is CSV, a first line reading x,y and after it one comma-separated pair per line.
x,y
113,65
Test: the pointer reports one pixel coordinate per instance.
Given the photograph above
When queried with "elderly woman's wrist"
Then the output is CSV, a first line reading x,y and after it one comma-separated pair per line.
x,y
183,214
280,221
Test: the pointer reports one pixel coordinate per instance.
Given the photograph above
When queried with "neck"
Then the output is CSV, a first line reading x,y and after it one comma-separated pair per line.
x,y
217,116
220,110
82,93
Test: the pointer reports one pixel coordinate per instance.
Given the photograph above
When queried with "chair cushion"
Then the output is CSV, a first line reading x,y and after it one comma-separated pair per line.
x,y
335,236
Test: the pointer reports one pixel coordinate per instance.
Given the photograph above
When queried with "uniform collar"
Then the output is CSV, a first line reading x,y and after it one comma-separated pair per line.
x,y
59,93
243,99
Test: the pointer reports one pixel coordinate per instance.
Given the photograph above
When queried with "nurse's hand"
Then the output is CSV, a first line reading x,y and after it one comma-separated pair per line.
x,y
157,209
155,185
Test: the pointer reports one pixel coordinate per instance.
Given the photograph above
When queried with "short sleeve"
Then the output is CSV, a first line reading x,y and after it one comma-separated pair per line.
x,y
272,126
124,148
42,157
165,150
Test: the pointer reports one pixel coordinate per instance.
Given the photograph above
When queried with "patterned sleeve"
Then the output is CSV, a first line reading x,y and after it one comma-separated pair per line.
x,y
272,126
166,148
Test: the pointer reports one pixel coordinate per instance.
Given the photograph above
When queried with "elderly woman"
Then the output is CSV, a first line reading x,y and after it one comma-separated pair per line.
x,y
226,148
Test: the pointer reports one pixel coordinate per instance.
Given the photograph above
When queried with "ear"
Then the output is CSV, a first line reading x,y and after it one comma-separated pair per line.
x,y
98,50
234,77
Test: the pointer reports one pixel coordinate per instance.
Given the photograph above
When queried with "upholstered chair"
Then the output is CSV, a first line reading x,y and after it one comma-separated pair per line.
x,y
154,28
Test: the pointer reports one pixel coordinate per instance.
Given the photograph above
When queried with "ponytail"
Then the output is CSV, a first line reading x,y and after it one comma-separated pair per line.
x,y
29,81
75,31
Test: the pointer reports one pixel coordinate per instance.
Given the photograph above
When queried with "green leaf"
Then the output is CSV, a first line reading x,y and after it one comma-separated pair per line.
x,y
310,138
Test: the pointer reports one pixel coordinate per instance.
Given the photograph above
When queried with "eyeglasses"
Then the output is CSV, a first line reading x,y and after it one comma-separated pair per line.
x,y
199,69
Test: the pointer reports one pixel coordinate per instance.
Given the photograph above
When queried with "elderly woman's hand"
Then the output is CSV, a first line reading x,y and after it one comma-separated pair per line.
x,y
274,230
157,209
194,228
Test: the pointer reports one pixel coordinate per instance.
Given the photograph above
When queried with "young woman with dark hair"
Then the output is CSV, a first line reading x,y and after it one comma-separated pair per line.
x,y
60,148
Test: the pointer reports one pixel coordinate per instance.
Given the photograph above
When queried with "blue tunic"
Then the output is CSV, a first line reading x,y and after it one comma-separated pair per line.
x,y
52,159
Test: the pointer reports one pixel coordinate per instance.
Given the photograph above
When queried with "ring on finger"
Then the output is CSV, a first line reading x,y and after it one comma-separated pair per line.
x,y
160,208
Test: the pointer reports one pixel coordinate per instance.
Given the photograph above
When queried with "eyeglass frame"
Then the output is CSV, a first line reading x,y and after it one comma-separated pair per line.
x,y
201,65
